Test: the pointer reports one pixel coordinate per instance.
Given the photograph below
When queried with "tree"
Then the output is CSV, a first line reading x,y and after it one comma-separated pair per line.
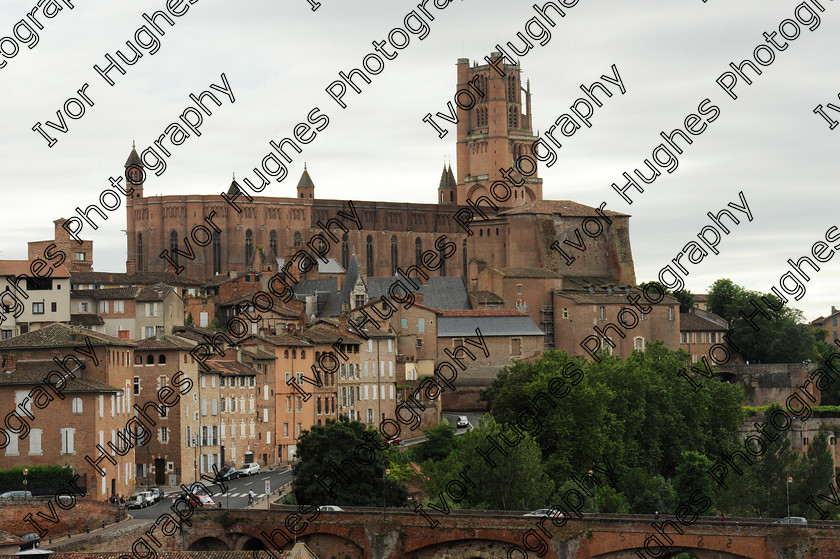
x,y
440,442
330,472
214,324
686,299
812,475
516,481
189,320
692,476
647,493
781,338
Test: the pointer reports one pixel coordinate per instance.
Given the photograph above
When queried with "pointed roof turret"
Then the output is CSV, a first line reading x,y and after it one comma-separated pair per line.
x,y
444,178
133,158
305,180
234,187
451,177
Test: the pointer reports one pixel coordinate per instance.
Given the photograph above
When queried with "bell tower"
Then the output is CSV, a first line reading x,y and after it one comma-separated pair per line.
x,y
134,177
495,136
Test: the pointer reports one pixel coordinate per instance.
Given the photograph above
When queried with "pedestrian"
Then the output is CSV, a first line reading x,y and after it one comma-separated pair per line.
x,y
656,515
251,496
122,500
722,518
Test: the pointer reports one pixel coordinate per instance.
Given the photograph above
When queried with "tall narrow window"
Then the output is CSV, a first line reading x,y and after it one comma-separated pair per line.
x,y
442,263
249,246
345,252
217,253
272,243
511,89
393,255
297,239
173,245
418,252
140,251
464,257
369,255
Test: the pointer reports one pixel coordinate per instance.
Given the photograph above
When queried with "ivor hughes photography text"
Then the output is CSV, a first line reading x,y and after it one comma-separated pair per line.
x,y
455,346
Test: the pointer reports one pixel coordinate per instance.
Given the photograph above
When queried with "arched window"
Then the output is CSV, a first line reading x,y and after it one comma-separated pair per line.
x,y
217,253
418,252
249,246
369,255
297,239
482,87
138,360
511,89
140,251
513,118
161,359
173,245
464,257
345,256
303,354
442,263
294,354
639,343
451,196
393,254
272,243
77,405
286,354
150,360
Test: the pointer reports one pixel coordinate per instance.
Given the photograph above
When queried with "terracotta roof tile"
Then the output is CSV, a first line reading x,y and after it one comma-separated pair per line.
x,y
61,335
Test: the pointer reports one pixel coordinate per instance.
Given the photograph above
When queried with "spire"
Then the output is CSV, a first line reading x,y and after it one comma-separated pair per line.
x,y
444,178
305,180
234,187
451,177
133,159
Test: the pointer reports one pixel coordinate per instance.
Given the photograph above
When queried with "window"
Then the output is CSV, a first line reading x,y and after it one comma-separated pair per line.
x,y
6,334
272,243
80,256
101,406
419,342
140,251
403,323
37,308
53,307
390,368
805,441
418,252
204,406
103,306
151,310
464,256
83,307
516,346
393,255
77,405
369,255
421,325
390,346
565,312
345,252
519,289
249,247
173,246
832,440
12,447
712,337
297,239
286,354
217,253
164,434
834,321
288,403
150,331
285,429
119,307
214,406
670,313
639,343
603,313
35,442
68,441
203,382
392,391
683,337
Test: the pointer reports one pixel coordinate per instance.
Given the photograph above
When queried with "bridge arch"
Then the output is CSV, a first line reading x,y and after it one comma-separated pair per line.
x,y
208,543
461,549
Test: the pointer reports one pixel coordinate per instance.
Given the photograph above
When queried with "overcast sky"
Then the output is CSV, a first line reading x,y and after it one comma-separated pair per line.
x,y
279,56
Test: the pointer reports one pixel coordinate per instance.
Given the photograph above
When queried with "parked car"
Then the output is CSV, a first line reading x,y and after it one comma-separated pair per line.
x,y
202,501
462,421
791,520
157,494
330,508
395,441
250,469
136,502
33,540
546,512
9,495
229,474
149,497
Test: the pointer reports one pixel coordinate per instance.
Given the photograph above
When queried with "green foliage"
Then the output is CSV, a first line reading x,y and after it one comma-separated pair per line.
x,y
214,324
324,448
515,482
647,493
692,475
38,477
402,473
440,442
686,299
782,338
189,320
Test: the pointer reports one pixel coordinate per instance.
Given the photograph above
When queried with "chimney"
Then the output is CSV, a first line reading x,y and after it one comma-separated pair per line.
x,y
342,322
833,310
158,334
609,290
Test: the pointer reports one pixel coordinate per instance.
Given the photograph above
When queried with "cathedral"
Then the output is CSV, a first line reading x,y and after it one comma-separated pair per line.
x,y
506,249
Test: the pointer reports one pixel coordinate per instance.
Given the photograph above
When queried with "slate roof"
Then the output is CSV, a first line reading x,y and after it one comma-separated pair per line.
x,y
490,326
305,179
157,292
35,371
439,293
61,335
690,322
617,298
484,312
326,289
86,319
106,294
248,297
166,342
138,278
487,298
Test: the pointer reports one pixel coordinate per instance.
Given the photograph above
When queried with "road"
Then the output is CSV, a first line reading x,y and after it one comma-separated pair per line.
x,y
452,417
235,495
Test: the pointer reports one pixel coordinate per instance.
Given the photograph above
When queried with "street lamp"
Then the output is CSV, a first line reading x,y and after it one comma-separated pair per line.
x,y
594,502
787,488
385,472
25,481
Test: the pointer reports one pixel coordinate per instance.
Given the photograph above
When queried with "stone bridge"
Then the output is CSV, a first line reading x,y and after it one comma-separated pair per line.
x,y
361,533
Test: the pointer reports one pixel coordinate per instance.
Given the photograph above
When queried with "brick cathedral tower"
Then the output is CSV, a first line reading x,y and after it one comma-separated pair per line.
x,y
493,135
